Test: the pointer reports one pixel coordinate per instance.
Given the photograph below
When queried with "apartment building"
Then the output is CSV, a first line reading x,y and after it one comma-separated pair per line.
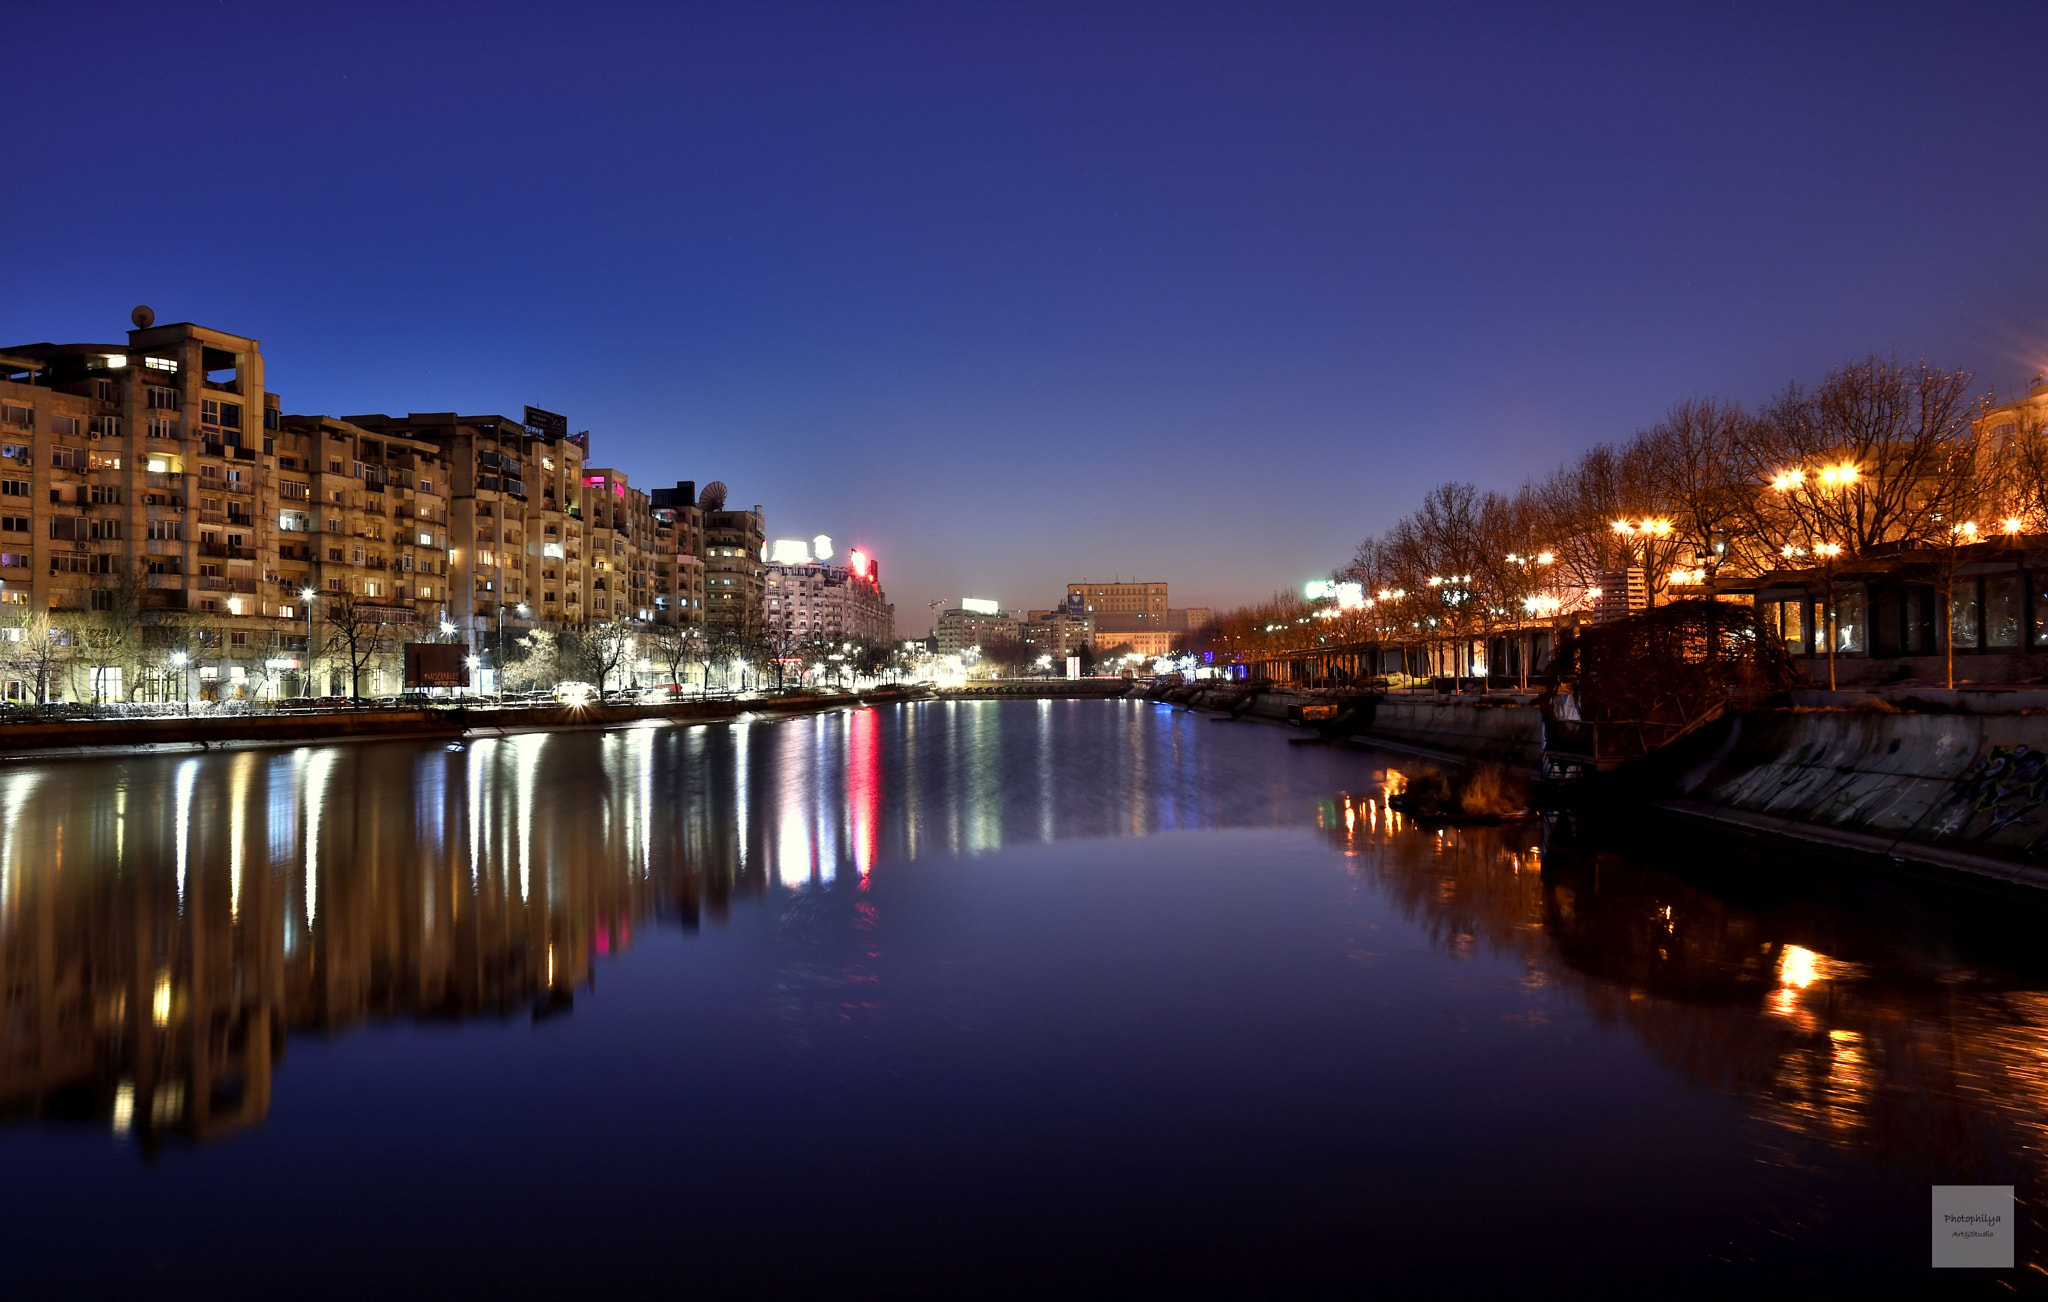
x,y
153,494
816,600
735,573
960,629
1058,633
619,528
679,554
364,517
139,489
515,525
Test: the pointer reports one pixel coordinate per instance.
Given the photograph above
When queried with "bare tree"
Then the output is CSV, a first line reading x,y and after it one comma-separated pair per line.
x,y
1866,458
108,641
34,648
676,646
604,650
358,633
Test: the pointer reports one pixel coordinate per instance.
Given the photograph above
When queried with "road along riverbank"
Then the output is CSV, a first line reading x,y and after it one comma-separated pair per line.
x,y
58,739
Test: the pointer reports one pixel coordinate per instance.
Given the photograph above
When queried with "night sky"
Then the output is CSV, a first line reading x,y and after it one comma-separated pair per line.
x,y
1014,294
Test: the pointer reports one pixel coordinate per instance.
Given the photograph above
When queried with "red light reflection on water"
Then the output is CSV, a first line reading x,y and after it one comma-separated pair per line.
x,y
864,786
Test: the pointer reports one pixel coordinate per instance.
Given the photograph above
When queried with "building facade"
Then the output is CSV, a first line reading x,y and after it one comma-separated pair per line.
x,y
735,575
820,601
167,532
1117,598
965,630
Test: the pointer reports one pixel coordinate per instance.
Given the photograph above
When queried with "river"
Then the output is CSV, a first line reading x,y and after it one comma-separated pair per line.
x,y
976,997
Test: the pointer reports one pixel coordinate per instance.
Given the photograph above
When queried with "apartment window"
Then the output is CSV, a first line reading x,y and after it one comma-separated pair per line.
x,y
13,523
162,427
334,585
106,495
14,488
109,529
296,489
163,399
166,531
101,461
426,485
226,415
209,472
106,427
357,558
13,413
369,588
160,364
425,592
334,554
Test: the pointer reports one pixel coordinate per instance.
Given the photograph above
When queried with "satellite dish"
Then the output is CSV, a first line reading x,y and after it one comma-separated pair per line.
x,y
821,547
713,496
142,317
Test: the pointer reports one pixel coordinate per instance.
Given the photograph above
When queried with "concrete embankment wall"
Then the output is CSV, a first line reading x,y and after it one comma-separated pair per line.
x,y
1442,727
1501,731
87,736
1955,790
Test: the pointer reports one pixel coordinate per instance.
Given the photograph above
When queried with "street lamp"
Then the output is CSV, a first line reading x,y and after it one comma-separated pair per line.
x,y
499,668
178,662
306,595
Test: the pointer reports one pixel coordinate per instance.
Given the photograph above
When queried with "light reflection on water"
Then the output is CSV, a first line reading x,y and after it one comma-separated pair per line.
x,y
166,924
257,893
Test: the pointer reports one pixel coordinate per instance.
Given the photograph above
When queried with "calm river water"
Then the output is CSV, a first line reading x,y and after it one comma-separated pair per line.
x,y
976,997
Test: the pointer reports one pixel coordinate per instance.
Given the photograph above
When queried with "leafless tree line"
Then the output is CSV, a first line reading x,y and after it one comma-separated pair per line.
x,y
1880,455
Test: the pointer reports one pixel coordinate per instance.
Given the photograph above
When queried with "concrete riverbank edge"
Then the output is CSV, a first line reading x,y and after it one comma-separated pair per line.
x,y
93,738
1958,786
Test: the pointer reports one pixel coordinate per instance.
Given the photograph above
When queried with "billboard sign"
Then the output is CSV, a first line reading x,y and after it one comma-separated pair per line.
x,y
436,664
548,423
980,606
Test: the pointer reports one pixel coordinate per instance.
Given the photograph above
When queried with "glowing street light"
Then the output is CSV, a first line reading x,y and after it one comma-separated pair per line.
x,y
306,595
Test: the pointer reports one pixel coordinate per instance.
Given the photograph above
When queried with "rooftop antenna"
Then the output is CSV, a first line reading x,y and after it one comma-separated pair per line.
x,y
142,317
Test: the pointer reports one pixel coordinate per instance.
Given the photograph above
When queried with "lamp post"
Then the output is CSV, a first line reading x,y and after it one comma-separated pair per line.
x,y
1828,552
499,667
306,595
178,662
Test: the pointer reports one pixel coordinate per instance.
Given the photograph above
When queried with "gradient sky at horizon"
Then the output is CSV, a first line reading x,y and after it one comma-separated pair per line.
x,y
1010,294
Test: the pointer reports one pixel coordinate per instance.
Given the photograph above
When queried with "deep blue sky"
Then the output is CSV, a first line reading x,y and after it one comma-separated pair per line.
x,y
1013,294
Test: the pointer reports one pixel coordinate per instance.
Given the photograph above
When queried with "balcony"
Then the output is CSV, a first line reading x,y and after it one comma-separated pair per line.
x,y
215,583
164,581
230,553
164,547
153,480
212,517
